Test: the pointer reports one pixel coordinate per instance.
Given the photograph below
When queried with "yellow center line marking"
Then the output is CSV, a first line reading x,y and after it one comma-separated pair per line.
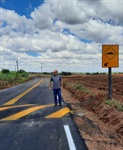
x,y
14,100
24,113
59,113
9,107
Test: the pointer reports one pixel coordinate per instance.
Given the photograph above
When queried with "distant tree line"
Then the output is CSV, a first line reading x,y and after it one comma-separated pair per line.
x,y
95,73
5,71
65,73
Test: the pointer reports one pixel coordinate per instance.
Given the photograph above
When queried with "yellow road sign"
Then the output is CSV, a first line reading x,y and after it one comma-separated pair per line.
x,y
110,56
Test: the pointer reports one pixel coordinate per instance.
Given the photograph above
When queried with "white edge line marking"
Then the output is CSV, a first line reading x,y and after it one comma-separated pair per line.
x,y
69,138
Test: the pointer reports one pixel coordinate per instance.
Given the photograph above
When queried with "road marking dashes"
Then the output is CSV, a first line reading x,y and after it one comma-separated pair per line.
x,y
27,111
9,107
59,113
14,100
23,113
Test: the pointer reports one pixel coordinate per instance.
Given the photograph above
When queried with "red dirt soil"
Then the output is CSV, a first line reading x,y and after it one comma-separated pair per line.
x,y
100,125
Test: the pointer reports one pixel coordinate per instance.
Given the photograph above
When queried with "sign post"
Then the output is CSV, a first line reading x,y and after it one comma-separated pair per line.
x,y
109,83
110,58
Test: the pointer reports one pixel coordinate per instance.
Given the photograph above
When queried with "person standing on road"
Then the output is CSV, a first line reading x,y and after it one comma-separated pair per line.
x,y
56,84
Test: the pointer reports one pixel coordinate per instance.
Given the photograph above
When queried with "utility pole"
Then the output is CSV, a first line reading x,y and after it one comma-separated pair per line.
x,y
17,65
41,69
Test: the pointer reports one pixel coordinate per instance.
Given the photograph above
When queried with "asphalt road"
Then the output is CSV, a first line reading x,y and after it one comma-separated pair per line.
x,y
29,120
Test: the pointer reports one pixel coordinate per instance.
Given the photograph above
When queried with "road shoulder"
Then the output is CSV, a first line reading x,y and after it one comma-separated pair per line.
x,y
95,133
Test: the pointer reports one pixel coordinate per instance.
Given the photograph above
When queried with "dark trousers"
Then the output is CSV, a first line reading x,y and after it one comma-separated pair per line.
x,y
57,92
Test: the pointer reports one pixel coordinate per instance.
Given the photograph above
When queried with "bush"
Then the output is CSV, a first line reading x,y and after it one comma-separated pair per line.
x,y
5,71
88,73
21,71
96,73
13,76
118,105
65,73
81,88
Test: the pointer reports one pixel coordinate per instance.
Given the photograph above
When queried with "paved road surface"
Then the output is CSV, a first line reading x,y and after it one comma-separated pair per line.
x,y
29,120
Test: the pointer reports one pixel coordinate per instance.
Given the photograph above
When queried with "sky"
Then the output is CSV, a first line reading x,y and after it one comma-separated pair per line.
x,y
66,35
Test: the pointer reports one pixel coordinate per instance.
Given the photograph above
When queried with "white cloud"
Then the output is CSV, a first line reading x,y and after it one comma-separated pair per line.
x,y
66,35
101,32
42,17
65,12
114,10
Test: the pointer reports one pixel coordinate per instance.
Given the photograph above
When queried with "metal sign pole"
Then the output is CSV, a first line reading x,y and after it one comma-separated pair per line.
x,y
109,83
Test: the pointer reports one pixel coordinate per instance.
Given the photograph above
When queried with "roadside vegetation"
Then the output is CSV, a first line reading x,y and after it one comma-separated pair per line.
x,y
8,78
77,88
118,105
81,88
114,103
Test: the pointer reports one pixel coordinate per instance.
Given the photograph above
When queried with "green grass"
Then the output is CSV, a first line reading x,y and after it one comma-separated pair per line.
x,y
7,76
13,77
81,88
118,105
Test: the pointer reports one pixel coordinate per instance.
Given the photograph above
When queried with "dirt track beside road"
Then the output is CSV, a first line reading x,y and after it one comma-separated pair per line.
x,y
100,124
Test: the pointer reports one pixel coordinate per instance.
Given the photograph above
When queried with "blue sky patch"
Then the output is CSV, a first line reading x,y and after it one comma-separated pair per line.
x,y
34,54
85,40
4,24
67,31
25,7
